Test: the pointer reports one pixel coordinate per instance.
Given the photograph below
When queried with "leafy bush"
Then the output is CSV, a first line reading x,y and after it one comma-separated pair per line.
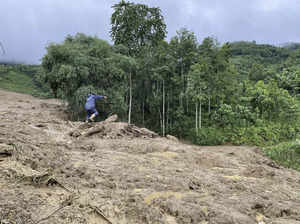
x,y
83,64
20,82
286,154
263,134
209,136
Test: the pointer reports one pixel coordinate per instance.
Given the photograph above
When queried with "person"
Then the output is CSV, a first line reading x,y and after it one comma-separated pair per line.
x,y
90,106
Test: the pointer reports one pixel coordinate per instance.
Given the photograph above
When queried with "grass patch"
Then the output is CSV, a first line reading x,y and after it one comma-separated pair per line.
x,y
21,83
286,154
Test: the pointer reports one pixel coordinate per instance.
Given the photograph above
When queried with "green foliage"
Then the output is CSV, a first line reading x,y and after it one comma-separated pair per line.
x,y
19,78
291,46
260,53
286,154
136,25
271,102
255,135
82,64
289,79
262,133
208,136
237,116
78,100
266,134
211,93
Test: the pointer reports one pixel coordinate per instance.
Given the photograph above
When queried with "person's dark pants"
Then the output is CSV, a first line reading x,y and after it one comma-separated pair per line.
x,y
90,112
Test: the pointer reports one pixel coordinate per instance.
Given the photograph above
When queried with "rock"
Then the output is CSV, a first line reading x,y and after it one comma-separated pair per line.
x,y
112,118
86,125
41,125
5,151
75,133
148,133
89,147
95,130
173,138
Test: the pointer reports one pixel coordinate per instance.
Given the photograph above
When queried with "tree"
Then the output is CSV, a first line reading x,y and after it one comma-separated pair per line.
x,y
184,50
197,87
162,70
289,79
136,25
129,65
82,64
219,72
272,102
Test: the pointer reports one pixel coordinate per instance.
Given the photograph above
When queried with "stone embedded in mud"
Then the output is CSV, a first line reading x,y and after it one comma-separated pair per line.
x,y
171,137
112,118
75,133
5,151
88,147
41,125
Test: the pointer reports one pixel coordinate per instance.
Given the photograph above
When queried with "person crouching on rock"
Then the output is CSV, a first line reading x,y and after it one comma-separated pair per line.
x,y
90,106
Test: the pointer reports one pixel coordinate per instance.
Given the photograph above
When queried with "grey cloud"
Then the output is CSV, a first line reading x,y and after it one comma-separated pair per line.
x,y
26,27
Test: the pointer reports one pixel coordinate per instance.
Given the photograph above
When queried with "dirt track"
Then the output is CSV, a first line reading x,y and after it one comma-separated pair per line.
x,y
54,171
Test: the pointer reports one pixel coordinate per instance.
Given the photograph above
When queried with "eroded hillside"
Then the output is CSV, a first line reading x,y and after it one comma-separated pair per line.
x,y
56,171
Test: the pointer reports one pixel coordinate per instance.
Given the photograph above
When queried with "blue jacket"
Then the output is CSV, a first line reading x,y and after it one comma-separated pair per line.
x,y
91,101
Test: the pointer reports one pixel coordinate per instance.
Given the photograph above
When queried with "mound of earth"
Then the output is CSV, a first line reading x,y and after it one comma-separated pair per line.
x,y
111,129
56,171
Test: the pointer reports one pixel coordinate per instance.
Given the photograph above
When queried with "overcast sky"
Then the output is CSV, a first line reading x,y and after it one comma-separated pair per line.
x,y
26,27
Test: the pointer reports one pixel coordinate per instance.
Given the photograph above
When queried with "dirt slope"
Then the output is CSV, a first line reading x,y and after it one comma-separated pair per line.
x,y
60,172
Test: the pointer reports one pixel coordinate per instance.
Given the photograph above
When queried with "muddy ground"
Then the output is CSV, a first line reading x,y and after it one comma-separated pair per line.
x,y
54,171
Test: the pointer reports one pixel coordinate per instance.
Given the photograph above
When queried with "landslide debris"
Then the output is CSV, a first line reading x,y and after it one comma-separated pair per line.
x,y
111,129
56,171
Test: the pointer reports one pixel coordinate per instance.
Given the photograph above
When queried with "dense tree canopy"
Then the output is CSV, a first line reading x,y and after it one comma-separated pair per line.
x,y
82,65
240,92
136,25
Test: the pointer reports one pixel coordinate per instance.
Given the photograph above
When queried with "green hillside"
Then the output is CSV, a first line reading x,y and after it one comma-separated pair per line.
x,y
20,78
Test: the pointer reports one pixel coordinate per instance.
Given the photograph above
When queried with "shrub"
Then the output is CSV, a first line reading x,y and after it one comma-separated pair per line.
x,y
209,136
286,154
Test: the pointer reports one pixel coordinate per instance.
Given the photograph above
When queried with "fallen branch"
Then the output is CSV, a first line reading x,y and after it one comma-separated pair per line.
x,y
54,181
43,219
44,179
94,131
64,204
99,212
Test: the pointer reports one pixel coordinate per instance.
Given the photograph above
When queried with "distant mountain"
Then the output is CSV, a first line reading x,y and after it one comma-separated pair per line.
x,y
290,45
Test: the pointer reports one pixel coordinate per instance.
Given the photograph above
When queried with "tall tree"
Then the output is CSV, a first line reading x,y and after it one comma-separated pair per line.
x,y
136,25
82,64
184,50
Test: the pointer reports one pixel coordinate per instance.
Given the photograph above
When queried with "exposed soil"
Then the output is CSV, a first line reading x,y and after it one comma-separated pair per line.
x,y
59,172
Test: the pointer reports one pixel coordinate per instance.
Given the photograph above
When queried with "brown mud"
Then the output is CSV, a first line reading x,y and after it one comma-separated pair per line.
x,y
53,171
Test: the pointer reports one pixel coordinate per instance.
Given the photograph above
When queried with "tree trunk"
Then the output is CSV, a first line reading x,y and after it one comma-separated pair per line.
x,y
182,81
187,104
208,105
143,111
196,118
160,120
130,98
163,118
200,114
168,109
